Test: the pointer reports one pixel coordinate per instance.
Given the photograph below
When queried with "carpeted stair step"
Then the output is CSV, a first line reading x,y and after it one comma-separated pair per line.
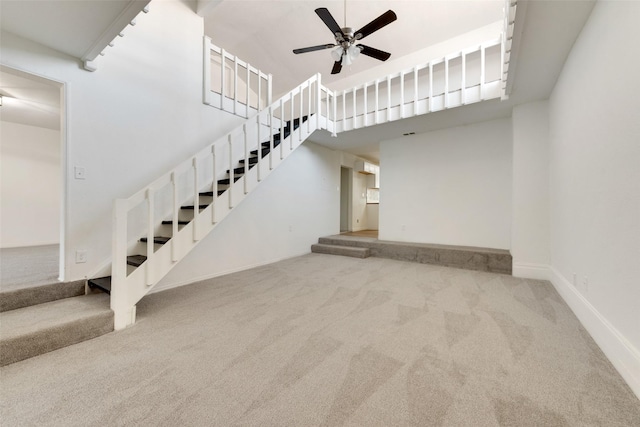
x,y
101,283
158,240
136,260
34,295
31,331
340,250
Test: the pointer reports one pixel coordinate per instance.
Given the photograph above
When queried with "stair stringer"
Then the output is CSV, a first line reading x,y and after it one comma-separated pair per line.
x,y
127,290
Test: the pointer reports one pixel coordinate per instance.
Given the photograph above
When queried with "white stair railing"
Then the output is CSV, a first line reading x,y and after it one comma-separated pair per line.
x,y
141,214
461,78
232,84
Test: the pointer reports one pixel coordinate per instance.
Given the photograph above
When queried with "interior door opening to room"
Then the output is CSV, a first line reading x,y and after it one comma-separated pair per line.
x,y
33,147
346,183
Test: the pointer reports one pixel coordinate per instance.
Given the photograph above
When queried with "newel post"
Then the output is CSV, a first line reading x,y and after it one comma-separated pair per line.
x,y
124,311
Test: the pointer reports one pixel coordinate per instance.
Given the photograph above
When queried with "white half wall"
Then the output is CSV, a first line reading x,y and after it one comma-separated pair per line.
x,y
30,190
450,186
594,114
298,203
530,214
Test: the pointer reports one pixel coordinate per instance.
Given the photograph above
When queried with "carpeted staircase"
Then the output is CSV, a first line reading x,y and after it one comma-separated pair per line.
x,y
135,261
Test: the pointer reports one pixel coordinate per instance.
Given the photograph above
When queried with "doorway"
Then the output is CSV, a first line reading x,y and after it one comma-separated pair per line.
x,y
33,179
346,185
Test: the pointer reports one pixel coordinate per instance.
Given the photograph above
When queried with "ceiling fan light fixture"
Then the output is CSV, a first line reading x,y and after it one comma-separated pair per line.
x,y
353,52
336,54
346,59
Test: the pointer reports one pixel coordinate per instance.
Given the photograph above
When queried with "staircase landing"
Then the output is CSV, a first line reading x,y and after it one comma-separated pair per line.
x,y
469,258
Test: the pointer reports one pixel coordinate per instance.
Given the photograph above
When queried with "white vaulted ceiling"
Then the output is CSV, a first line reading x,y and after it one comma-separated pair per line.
x,y
265,32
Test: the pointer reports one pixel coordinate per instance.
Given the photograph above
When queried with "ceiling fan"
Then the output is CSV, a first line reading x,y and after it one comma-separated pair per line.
x,y
346,39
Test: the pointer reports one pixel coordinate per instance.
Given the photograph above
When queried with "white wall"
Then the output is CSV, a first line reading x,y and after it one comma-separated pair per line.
x,y
595,182
30,177
136,117
450,186
530,214
298,203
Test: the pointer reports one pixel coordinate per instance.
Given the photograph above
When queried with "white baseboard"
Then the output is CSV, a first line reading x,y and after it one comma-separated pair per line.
x,y
166,287
530,271
622,354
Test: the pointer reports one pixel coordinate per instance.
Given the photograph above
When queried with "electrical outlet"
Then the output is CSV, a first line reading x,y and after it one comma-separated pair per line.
x,y
79,172
81,257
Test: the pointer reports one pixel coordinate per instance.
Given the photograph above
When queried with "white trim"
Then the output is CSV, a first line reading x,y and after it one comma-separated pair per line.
x,y
622,354
528,270
160,288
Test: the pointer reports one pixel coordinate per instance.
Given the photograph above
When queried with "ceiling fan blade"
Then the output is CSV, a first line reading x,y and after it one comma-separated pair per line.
x,y
381,21
313,48
329,21
374,53
337,67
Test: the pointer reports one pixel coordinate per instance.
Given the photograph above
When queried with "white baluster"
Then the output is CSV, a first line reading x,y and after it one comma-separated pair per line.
x,y
230,172
175,217
291,99
301,113
270,137
365,105
463,82
259,90
430,103
214,186
235,84
388,98
196,200
377,107
206,72
402,94
482,71
246,159
259,164
150,237
281,128
223,73
446,82
247,86
415,90
309,94
353,92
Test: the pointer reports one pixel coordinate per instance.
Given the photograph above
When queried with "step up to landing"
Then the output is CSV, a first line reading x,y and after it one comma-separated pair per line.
x,y
24,297
39,329
340,250
469,258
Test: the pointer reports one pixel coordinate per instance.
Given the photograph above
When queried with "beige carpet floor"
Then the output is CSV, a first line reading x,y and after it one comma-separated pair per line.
x,y
326,340
28,266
